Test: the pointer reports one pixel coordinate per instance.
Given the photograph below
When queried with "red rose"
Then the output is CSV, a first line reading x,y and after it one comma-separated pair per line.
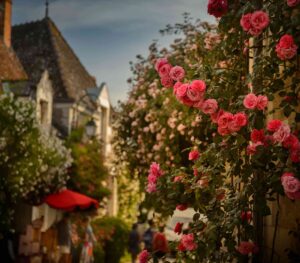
x,y
257,135
181,207
194,155
274,125
286,48
178,228
246,216
217,8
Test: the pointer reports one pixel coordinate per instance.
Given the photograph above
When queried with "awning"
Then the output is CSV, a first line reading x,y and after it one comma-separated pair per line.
x,y
68,200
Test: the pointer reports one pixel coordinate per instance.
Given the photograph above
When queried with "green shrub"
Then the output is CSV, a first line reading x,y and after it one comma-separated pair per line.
x,y
112,235
99,255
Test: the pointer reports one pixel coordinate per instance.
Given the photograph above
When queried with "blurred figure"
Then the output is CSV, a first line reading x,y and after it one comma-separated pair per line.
x,y
160,245
134,243
64,239
89,240
148,236
7,248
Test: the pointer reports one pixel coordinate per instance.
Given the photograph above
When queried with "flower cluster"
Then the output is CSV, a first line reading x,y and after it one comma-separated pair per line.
x,y
167,73
154,173
255,23
291,186
251,101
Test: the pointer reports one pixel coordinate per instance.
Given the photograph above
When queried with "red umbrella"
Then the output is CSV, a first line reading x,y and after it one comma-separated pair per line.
x,y
68,200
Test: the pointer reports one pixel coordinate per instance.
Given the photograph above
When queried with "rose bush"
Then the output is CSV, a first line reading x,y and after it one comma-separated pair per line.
x,y
246,152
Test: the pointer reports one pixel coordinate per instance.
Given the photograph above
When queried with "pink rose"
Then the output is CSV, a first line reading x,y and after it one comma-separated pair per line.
x,y
217,8
240,119
160,62
176,86
262,102
177,179
246,247
292,3
203,182
225,119
194,155
209,106
274,125
198,85
257,135
282,133
215,116
286,48
178,228
188,242
164,70
223,131
166,81
177,73
144,256
245,22
151,188
290,183
152,178
182,95
259,20
250,101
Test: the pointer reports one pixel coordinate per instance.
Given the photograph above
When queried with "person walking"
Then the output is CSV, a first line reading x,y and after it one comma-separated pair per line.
x,y
64,239
89,240
134,243
160,245
148,236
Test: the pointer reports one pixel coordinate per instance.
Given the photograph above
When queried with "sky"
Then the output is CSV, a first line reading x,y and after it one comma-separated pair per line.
x,y
107,34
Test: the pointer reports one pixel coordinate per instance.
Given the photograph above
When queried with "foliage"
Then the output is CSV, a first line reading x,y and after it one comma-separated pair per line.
x,y
33,163
112,234
233,175
88,172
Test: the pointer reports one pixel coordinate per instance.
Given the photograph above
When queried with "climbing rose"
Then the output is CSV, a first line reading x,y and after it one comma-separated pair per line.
x,y
292,3
246,22
151,188
262,102
246,248
217,8
193,155
282,133
176,86
209,106
259,20
155,169
250,101
215,116
160,62
257,135
188,242
225,119
255,23
274,125
240,119
178,228
291,185
143,256
177,179
164,70
295,155
166,81
177,73
286,48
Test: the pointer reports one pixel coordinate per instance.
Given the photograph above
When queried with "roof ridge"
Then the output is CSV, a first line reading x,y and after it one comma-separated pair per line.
x,y
30,22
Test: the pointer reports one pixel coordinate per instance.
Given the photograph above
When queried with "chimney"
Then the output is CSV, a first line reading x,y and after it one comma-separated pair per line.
x,y
5,23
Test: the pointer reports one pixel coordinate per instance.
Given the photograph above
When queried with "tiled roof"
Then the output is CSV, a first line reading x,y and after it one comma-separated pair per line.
x,y
10,66
41,46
